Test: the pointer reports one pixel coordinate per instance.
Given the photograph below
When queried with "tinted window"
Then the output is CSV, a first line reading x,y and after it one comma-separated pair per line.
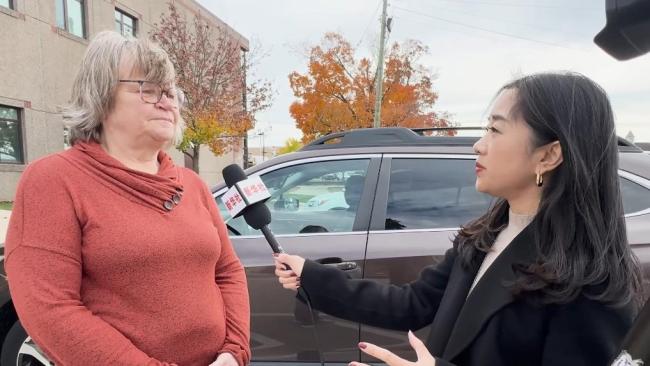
x,y
308,198
433,193
11,138
635,197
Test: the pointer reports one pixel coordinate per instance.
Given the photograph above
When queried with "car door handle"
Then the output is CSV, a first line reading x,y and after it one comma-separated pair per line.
x,y
338,263
345,266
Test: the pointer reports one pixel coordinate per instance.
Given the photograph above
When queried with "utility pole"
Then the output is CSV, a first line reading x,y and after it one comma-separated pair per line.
x,y
245,106
380,68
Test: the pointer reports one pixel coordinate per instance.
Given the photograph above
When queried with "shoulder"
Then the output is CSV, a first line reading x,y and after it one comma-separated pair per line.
x,y
191,179
48,169
596,313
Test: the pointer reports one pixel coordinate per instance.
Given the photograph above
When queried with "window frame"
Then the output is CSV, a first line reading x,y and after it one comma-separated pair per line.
x,y
11,5
124,14
622,174
378,223
21,136
381,200
84,18
365,206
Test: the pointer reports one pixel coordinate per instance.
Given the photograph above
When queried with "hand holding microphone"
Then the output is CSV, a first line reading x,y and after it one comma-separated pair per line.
x,y
289,278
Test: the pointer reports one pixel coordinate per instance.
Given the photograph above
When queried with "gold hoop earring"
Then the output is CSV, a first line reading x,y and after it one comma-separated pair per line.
x,y
539,180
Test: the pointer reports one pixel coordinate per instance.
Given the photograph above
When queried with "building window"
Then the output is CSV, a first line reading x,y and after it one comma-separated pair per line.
x,y
11,136
124,23
70,15
7,4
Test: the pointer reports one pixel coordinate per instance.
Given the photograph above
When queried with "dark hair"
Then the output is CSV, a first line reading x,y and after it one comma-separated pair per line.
x,y
579,229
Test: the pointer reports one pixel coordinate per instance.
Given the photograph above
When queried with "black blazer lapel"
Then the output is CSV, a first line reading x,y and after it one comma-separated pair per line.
x,y
489,294
460,281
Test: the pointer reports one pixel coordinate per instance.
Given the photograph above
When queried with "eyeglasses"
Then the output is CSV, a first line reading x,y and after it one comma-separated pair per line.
x,y
152,93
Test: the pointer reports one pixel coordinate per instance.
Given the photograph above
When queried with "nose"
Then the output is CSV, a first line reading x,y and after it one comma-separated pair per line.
x,y
479,146
165,102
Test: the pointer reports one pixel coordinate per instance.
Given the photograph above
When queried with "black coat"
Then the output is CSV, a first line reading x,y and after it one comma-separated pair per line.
x,y
490,327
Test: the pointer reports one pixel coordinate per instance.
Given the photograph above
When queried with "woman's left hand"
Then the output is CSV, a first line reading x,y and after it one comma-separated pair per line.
x,y
424,357
225,359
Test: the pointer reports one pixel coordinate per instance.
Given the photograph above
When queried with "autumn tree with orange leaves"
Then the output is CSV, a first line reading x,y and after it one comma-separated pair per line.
x,y
213,74
338,92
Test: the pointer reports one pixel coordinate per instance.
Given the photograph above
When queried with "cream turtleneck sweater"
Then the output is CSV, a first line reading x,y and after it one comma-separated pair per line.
x,y
516,224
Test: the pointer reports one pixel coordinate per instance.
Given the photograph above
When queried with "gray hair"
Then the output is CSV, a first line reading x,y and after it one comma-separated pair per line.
x,y
98,75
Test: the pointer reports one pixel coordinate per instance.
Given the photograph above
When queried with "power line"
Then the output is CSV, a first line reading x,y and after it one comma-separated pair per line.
x,y
368,25
502,20
484,29
519,5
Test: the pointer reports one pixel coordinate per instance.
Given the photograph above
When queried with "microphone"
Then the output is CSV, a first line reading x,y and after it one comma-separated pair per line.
x,y
246,196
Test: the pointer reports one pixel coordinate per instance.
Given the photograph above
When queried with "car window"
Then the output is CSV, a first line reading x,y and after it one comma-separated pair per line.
x,y
433,193
635,197
308,198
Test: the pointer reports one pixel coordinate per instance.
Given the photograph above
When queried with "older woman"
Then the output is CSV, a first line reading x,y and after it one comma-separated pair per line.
x,y
115,256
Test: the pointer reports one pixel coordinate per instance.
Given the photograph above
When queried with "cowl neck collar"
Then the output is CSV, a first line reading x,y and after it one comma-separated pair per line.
x,y
161,191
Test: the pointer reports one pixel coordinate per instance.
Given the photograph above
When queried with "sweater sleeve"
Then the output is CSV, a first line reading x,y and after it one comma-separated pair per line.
x,y
407,307
44,268
231,279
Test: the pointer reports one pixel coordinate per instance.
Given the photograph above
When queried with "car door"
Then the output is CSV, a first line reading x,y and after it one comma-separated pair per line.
x,y
635,192
421,202
320,210
416,215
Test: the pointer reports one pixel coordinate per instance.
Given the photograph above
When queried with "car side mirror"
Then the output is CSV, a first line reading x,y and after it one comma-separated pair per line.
x,y
287,204
627,32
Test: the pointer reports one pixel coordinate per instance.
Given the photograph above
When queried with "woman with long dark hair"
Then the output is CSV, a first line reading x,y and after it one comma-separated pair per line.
x,y
546,276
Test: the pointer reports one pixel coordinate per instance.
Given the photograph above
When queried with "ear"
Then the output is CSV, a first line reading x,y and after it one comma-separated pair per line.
x,y
551,157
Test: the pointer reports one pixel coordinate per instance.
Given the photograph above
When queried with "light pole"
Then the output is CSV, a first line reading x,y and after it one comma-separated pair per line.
x,y
262,133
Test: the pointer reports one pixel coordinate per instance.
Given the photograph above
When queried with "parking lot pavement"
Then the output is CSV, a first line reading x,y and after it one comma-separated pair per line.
x,y
4,223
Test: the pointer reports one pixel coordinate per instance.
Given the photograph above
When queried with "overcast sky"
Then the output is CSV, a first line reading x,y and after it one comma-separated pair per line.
x,y
476,46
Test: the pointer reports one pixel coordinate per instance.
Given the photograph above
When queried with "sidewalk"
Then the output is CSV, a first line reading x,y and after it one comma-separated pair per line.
x,y
4,223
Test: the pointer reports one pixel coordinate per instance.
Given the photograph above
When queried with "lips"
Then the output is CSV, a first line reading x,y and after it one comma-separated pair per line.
x,y
164,119
479,167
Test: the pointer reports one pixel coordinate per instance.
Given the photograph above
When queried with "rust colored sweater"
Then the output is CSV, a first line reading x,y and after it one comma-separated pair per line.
x,y
102,274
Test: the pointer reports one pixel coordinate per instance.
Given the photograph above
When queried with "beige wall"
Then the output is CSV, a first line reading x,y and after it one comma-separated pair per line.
x,y
39,61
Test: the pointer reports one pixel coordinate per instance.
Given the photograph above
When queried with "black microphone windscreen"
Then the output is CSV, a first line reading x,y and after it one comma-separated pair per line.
x,y
257,215
232,174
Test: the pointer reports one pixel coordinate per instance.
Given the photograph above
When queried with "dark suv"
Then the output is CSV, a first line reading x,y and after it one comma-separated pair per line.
x,y
378,204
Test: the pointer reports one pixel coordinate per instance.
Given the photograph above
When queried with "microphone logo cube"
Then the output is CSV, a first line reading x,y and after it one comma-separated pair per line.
x,y
233,201
253,190
243,194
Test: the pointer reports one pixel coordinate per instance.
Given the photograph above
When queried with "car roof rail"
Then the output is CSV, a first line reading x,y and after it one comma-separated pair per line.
x,y
402,136
420,131
390,136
